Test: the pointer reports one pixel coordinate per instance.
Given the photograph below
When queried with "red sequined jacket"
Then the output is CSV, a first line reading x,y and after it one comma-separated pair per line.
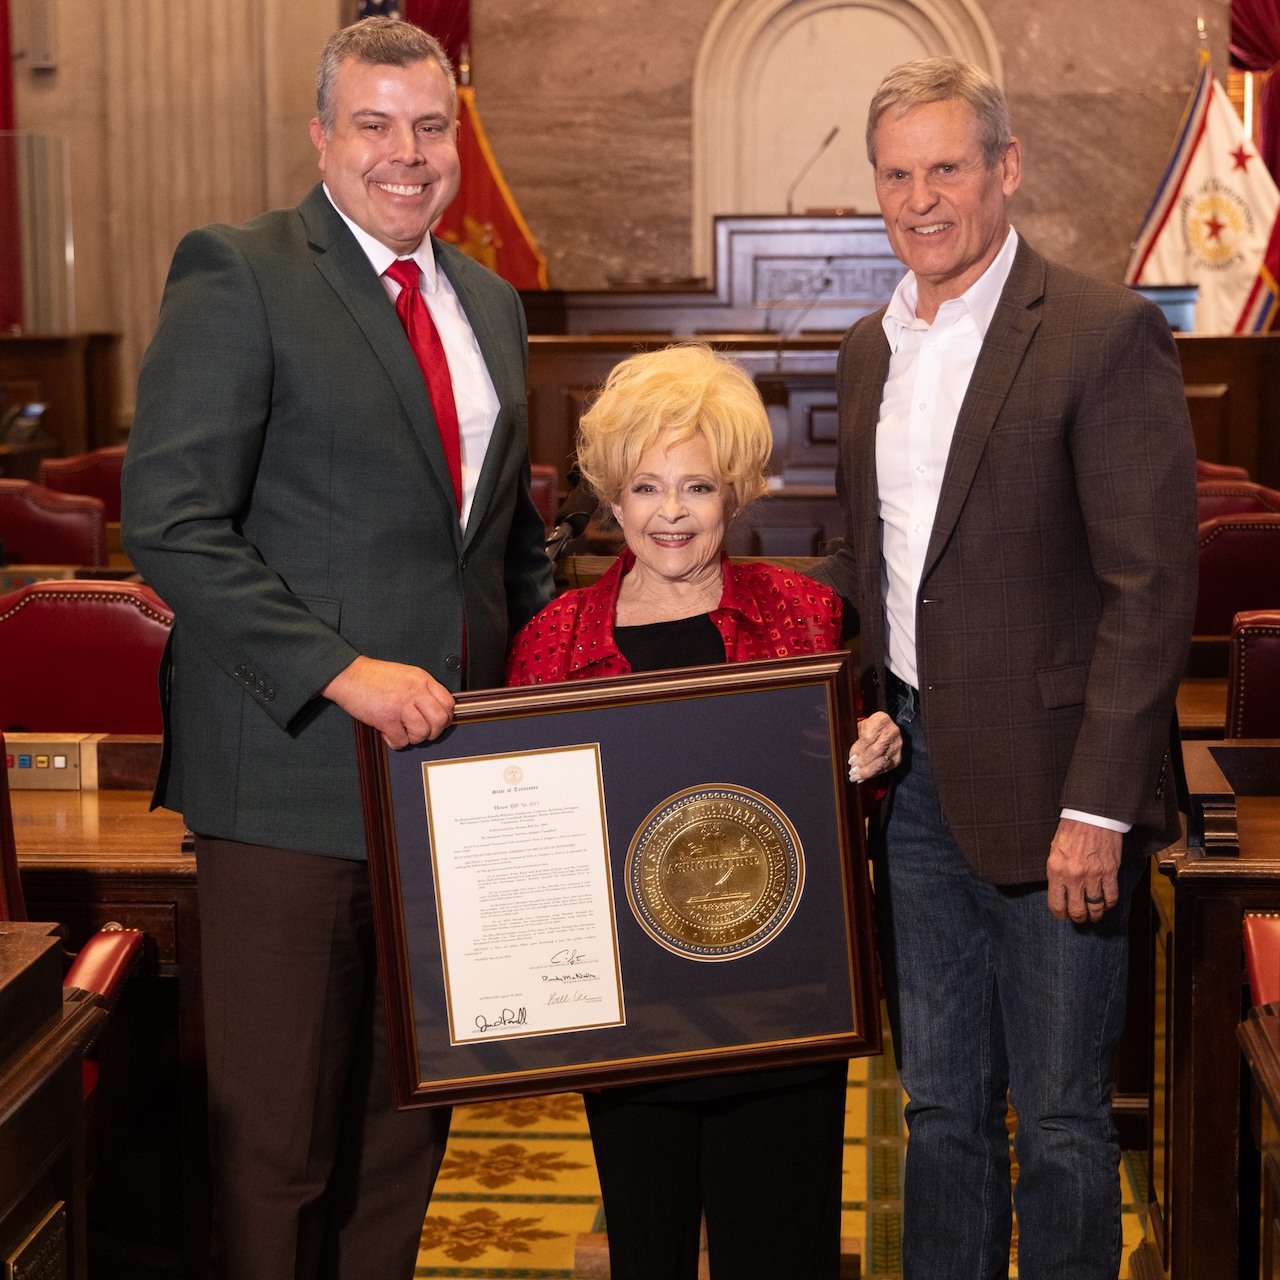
x,y
764,612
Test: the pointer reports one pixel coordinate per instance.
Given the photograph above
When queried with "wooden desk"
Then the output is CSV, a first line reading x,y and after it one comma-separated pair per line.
x,y
1203,1188
1202,707
42,1169
76,375
88,858
22,461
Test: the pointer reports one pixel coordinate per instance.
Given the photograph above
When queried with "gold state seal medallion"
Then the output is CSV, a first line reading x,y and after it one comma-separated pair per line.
x,y
715,872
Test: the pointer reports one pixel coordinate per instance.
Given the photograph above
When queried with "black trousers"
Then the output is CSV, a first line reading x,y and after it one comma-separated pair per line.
x,y
315,1176
764,1166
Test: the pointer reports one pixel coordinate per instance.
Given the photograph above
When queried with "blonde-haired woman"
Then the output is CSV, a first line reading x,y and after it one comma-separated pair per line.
x,y
676,445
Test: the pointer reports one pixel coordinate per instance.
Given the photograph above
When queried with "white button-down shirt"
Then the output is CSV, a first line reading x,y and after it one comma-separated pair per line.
x,y
929,370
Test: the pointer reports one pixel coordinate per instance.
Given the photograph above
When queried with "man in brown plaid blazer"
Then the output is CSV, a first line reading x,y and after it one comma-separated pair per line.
x,y
1017,476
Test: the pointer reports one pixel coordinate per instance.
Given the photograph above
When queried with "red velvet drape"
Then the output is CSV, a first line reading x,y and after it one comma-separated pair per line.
x,y
10,240
1255,46
448,20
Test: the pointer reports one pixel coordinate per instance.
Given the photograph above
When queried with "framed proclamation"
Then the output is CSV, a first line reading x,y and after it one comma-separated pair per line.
x,y
612,881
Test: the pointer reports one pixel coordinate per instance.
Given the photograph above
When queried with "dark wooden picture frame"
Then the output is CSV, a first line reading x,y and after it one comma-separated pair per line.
x,y
781,729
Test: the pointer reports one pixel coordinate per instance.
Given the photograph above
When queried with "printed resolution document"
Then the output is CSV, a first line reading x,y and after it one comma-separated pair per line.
x,y
524,893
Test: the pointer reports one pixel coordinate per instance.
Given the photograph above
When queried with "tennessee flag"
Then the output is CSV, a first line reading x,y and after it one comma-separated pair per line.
x,y
484,220
1213,221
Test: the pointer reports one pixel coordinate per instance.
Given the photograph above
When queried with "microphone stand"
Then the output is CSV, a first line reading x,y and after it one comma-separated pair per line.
x,y
808,164
789,331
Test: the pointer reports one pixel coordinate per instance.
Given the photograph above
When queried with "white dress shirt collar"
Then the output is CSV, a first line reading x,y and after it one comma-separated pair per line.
x,y
980,299
381,257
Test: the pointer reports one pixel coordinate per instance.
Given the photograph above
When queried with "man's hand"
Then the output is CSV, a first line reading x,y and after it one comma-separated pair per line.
x,y
1083,868
403,703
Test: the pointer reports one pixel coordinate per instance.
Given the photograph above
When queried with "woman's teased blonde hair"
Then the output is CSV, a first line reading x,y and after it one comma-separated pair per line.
x,y
673,395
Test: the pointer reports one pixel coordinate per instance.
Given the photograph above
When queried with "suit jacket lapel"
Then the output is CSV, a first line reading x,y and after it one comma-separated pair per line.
x,y
868,357
506,368
1003,349
349,274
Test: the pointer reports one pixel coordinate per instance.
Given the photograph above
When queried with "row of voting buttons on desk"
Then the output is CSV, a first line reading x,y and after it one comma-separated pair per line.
x,y
23,761
48,761
78,761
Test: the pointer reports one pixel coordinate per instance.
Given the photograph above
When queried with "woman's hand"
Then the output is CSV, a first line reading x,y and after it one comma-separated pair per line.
x,y
878,748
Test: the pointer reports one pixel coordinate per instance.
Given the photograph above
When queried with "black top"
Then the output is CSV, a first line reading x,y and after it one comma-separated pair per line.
x,y
659,646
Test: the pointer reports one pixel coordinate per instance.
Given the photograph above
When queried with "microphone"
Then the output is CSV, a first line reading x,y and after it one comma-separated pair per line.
x,y
572,518
808,164
820,286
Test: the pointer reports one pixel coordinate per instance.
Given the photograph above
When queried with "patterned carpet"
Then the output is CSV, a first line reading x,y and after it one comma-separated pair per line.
x,y
518,1186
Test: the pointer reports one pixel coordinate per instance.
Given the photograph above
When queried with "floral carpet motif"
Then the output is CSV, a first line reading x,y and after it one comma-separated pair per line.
x,y
478,1231
498,1167
521,1113
518,1186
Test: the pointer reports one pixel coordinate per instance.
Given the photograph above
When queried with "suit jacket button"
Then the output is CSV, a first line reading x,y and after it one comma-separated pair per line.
x,y
453,662
268,694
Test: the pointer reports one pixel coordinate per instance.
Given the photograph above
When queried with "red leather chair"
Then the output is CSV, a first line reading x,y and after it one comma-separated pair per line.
x,y
1253,676
1219,471
103,963
82,657
1239,569
1233,497
1262,956
544,488
95,474
38,526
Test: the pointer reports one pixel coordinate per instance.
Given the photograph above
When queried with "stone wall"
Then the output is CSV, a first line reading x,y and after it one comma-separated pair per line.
x,y
183,112
588,104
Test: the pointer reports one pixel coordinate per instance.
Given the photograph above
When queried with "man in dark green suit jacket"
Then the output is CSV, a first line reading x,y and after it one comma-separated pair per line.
x,y
287,492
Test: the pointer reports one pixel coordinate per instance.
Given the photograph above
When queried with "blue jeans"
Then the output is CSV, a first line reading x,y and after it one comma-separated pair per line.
x,y
993,998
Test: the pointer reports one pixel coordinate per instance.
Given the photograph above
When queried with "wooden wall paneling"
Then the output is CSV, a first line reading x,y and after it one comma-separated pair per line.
x,y
1246,416
76,375
54,367
565,371
806,425
184,107
787,522
1210,409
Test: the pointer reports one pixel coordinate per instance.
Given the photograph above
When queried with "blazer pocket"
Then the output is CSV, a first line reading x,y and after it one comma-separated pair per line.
x,y
1063,686
328,611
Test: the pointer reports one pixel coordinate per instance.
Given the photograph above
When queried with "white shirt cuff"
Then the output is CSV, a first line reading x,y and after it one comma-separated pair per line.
x,y
1109,823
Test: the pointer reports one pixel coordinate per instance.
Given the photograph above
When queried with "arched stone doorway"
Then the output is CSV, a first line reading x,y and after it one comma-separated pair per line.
x,y
774,77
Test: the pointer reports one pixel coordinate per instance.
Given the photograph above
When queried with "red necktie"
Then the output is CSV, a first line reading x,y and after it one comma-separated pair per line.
x,y
424,338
